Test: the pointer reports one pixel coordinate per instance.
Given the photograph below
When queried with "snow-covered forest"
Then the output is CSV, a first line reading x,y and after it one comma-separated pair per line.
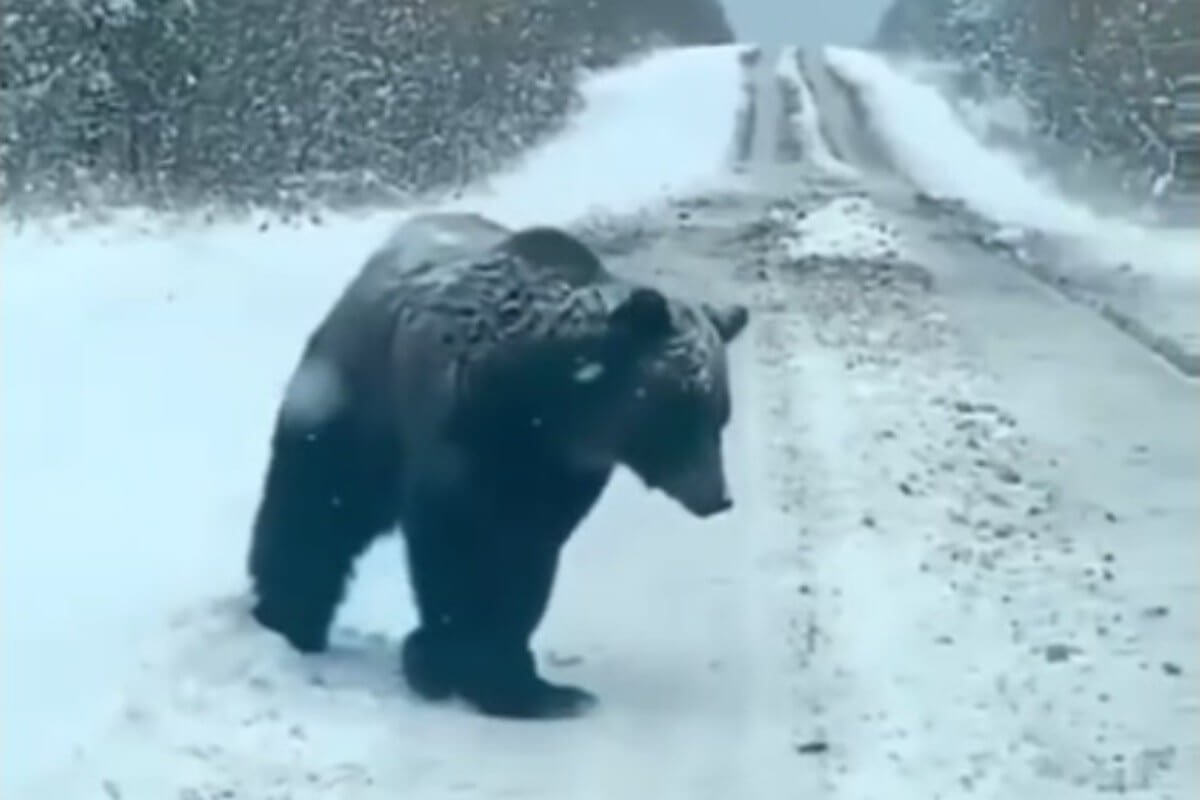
x,y
275,102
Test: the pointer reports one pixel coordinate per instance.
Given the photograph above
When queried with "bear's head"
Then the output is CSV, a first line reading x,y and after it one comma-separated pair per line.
x,y
679,405
628,376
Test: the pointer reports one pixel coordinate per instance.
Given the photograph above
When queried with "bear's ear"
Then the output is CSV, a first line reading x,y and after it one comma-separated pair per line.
x,y
644,314
729,321
565,256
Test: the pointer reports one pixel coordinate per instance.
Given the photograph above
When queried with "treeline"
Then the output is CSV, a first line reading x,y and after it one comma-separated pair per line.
x,y
282,102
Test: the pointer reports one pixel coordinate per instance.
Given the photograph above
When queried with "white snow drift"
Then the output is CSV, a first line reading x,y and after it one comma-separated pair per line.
x,y
935,149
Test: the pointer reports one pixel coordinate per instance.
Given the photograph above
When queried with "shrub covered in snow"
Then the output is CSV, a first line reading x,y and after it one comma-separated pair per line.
x,y
285,102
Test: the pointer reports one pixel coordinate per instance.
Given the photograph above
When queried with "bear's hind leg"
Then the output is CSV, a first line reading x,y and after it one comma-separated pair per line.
x,y
326,497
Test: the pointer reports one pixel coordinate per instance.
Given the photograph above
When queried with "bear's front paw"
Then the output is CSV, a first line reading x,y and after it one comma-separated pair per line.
x,y
566,701
540,700
303,634
425,662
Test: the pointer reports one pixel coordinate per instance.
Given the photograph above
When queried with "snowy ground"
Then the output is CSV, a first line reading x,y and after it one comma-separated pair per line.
x,y
962,560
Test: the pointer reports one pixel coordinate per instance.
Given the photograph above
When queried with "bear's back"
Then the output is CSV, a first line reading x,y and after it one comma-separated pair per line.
x,y
468,305
463,281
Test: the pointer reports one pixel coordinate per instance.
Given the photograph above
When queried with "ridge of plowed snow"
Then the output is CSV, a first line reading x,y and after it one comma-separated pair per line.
x,y
844,227
936,150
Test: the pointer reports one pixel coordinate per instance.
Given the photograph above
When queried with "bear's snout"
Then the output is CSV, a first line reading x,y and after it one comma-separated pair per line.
x,y
702,489
712,507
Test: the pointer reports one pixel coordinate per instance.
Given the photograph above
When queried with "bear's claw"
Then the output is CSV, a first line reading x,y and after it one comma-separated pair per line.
x,y
437,668
541,701
304,636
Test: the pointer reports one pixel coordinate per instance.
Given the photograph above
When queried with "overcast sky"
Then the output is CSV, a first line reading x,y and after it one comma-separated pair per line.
x,y
805,21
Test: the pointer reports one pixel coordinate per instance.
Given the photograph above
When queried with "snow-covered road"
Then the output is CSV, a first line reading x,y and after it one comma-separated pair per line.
x,y
963,559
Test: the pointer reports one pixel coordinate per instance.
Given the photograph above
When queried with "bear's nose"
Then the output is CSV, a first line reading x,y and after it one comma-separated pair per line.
x,y
713,507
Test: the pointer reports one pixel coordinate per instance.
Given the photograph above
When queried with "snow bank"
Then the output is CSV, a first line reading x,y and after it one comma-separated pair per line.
x,y
937,151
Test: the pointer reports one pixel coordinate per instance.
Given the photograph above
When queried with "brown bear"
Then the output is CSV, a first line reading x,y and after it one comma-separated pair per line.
x,y
476,387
